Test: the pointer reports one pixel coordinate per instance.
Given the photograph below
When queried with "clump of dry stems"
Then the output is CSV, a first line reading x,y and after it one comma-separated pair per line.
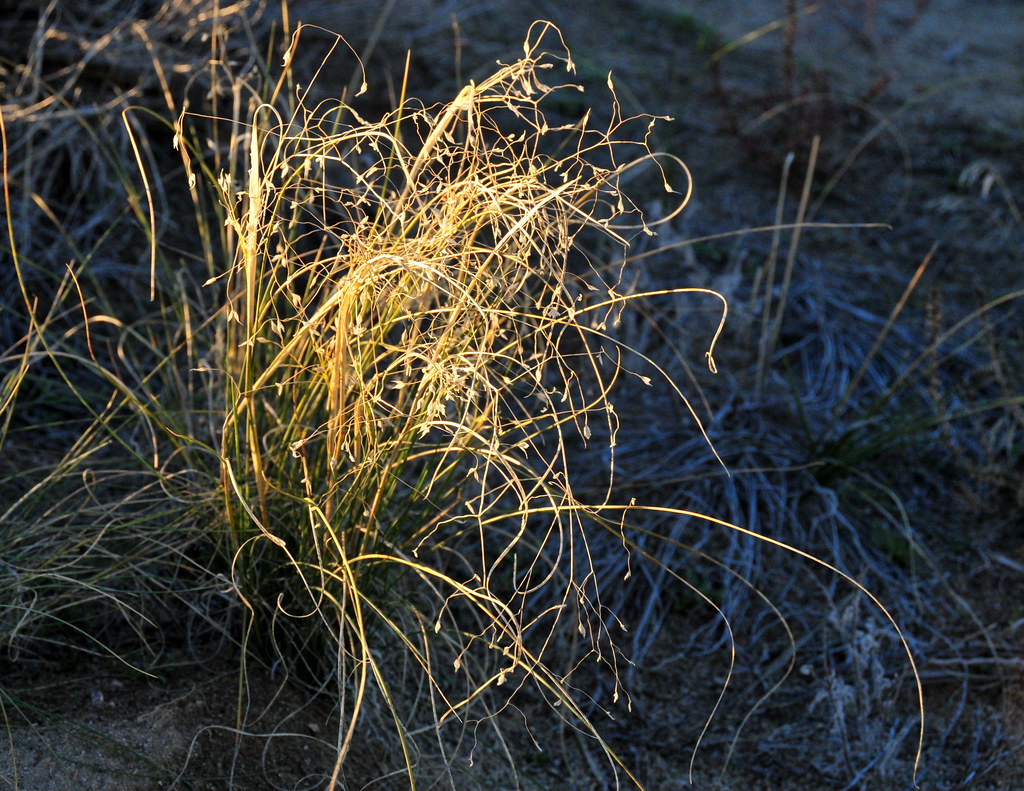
x,y
409,342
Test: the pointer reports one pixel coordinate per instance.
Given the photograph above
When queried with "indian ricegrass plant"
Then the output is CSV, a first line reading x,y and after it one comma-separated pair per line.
x,y
410,349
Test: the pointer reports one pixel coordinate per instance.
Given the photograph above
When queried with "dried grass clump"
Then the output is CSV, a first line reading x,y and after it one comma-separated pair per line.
x,y
363,421
410,342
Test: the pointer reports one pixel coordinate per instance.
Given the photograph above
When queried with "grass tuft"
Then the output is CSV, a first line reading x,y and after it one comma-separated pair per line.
x,y
403,350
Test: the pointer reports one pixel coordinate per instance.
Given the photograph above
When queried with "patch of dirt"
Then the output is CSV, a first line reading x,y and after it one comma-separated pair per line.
x,y
106,726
